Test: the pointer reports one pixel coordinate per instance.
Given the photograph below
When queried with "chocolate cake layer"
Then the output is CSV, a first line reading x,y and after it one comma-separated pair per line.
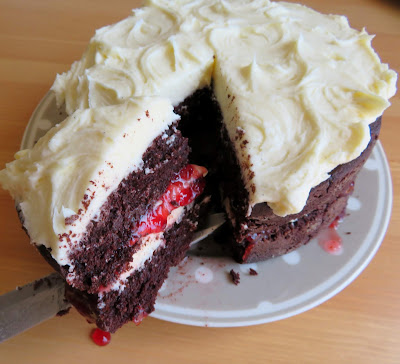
x,y
200,113
113,309
263,234
105,252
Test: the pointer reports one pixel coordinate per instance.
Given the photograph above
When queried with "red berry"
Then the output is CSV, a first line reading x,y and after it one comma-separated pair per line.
x,y
102,289
198,171
198,187
185,196
156,223
187,185
186,172
100,337
133,241
248,249
175,189
143,229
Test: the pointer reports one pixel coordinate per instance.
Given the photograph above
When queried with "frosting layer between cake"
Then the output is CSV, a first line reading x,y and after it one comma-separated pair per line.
x,y
297,89
63,181
150,243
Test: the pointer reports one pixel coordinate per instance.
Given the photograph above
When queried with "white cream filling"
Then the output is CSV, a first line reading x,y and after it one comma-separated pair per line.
x,y
150,243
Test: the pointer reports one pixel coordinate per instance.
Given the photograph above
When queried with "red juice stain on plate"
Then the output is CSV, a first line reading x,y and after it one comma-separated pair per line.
x,y
329,239
100,337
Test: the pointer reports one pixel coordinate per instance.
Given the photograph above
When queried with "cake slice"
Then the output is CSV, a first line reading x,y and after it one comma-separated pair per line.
x,y
109,199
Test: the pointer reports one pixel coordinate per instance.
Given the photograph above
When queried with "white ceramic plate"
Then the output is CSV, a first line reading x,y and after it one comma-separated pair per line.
x,y
200,291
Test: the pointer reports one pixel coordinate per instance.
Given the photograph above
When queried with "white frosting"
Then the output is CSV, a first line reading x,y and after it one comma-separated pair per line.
x,y
73,169
142,55
304,88
149,244
300,86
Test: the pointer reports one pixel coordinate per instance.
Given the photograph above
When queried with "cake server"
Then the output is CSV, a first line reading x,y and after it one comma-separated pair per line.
x,y
31,304
212,223
42,299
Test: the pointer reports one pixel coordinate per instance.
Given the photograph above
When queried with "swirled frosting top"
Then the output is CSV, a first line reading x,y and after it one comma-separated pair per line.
x,y
61,183
297,89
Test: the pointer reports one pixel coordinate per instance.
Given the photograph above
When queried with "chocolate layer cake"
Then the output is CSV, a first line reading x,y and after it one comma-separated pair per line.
x,y
281,103
120,204
292,91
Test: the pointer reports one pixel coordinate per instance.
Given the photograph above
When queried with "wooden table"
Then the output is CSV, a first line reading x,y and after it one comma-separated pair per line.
x,y
360,325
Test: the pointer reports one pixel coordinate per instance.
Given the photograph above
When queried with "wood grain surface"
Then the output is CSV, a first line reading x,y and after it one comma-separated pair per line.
x,y
41,38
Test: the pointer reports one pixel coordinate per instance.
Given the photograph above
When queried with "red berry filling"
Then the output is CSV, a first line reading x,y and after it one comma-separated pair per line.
x,y
100,337
335,223
249,247
183,189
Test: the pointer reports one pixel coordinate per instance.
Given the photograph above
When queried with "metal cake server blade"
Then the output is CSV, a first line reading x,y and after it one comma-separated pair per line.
x,y
31,304
42,299
212,223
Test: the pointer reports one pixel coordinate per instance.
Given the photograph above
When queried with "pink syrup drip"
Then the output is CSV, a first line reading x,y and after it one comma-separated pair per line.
x,y
100,337
329,239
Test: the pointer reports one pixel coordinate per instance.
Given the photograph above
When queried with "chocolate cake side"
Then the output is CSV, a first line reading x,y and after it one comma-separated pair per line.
x,y
110,310
105,251
263,234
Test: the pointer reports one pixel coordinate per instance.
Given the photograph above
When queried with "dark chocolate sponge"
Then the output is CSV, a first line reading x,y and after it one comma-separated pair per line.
x,y
105,252
263,234
137,299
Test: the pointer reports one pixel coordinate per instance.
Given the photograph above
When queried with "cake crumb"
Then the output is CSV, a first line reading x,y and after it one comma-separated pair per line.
x,y
239,132
253,272
235,277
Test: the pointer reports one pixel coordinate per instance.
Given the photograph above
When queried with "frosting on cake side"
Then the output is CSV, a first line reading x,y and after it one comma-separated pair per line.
x,y
297,89
63,181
